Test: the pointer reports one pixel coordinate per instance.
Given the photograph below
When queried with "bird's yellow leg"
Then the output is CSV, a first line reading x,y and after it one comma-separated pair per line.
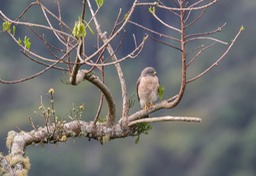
x,y
148,106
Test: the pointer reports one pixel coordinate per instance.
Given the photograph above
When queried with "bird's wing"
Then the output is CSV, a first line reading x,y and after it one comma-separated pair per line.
x,y
137,86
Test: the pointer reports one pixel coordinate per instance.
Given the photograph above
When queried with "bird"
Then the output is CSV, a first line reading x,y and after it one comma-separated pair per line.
x,y
147,87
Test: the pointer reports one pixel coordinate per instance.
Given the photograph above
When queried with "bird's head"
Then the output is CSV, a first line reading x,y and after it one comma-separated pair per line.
x,y
148,71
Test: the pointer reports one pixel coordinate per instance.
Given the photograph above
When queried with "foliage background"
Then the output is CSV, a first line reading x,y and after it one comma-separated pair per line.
x,y
222,144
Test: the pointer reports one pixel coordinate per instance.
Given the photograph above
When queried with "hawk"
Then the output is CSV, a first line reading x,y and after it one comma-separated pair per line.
x,y
147,87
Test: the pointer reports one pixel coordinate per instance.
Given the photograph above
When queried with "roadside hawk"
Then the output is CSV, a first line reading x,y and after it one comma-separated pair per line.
x,y
147,87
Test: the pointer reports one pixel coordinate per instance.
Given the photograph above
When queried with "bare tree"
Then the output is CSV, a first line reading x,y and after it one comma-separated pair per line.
x,y
72,53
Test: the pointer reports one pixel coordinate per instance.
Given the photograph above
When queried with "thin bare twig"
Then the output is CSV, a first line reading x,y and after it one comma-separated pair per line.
x,y
199,53
165,118
178,8
219,29
217,61
25,11
57,18
165,24
133,54
42,63
166,44
154,32
53,29
38,73
34,25
196,19
36,55
207,38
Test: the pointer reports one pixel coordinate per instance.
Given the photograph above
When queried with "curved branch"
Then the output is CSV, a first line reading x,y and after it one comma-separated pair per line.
x,y
106,42
81,75
183,61
79,52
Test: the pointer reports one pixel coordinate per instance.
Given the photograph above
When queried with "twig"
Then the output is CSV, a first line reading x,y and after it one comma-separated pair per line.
x,y
25,11
79,52
183,60
53,29
36,55
207,38
165,118
133,54
196,19
177,9
154,32
37,74
218,60
57,18
166,44
219,29
34,25
165,24
41,63
106,42
199,53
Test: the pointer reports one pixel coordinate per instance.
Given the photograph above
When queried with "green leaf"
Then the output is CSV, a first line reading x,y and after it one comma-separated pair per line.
x,y
13,30
6,26
101,120
27,42
137,139
79,29
19,41
161,92
242,28
90,28
152,9
99,3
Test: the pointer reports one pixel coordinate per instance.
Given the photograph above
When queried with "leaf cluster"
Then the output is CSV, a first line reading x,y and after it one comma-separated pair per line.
x,y
142,128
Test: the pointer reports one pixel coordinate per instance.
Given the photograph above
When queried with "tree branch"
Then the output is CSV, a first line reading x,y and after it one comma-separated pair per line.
x,y
218,60
177,9
83,74
183,59
106,42
165,118
37,74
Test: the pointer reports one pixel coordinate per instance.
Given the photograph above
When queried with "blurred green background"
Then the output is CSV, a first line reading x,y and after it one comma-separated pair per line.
x,y
222,144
